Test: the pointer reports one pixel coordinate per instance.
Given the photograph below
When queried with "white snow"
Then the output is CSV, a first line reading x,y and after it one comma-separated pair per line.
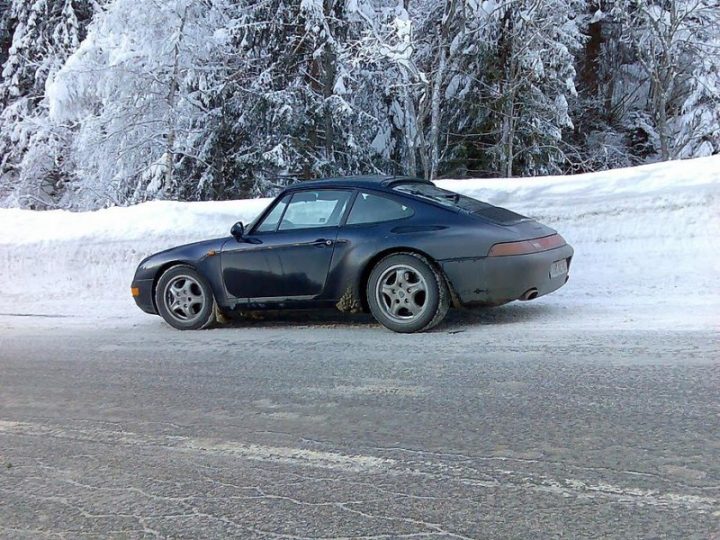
x,y
646,242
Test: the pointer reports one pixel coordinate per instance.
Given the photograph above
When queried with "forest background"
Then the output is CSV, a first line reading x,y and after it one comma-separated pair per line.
x,y
116,102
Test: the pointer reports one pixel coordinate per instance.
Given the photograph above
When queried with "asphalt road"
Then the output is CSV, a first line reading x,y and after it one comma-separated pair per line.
x,y
487,428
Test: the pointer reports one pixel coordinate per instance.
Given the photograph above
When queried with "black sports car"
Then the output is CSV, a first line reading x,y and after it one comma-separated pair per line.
x,y
400,248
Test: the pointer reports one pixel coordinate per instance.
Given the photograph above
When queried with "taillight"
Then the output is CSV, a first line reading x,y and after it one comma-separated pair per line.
x,y
527,246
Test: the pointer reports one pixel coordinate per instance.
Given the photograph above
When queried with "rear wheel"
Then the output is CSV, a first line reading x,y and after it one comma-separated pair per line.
x,y
407,294
185,300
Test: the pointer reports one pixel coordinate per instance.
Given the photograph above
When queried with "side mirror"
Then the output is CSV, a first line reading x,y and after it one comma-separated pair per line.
x,y
238,230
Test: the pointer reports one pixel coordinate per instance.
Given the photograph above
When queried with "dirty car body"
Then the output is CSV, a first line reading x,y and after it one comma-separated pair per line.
x,y
318,243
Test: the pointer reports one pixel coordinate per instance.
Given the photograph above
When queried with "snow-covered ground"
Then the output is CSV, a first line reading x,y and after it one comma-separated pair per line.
x,y
646,242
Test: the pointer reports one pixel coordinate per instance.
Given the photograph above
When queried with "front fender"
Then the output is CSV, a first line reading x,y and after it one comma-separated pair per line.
x,y
203,256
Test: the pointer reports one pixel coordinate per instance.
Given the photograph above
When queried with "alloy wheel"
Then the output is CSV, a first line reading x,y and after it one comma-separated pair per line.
x,y
401,293
184,298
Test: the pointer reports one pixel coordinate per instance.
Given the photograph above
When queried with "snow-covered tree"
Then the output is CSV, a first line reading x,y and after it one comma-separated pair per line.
x,y
137,90
676,47
38,37
529,82
385,55
656,66
675,51
698,123
491,82
433,54
213,99
454,53
5,30
302,98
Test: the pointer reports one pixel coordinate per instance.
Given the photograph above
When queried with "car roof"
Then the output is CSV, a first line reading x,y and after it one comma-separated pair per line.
x,y
373,182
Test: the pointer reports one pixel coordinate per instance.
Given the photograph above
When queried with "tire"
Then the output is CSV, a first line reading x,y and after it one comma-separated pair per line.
x,y
185,300
407,294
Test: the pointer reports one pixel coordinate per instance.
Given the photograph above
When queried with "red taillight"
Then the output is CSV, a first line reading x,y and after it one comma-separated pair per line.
x,y
527,246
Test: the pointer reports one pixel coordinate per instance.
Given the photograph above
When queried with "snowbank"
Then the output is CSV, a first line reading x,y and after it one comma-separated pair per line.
x,y
646,244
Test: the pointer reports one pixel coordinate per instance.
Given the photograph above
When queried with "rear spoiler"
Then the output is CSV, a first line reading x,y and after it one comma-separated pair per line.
x,y
395,180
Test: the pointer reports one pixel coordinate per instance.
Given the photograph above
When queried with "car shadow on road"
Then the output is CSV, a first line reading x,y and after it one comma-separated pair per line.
x,y
457,320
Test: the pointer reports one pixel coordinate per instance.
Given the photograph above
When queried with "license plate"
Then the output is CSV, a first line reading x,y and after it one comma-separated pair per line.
x,y
558,268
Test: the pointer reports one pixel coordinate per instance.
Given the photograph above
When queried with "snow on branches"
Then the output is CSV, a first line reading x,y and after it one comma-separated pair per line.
x,y
113,102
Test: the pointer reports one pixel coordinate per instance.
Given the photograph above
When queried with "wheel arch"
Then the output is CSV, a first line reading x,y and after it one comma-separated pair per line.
x,y
161,270
367,269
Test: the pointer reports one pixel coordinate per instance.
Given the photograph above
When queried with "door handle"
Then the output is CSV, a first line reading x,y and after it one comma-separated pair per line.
x,y
323,243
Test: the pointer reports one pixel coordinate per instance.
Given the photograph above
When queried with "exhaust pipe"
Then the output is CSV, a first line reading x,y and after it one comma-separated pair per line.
x,y
530,294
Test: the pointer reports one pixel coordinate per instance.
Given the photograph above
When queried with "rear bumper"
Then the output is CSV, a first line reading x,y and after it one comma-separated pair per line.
x,y
144,299
498,280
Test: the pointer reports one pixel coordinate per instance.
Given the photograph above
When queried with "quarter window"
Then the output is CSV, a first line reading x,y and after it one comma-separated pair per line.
x,y
369,208
270,223
314,209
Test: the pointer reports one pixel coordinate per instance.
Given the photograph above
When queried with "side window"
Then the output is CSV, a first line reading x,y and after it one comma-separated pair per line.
x,y
313,209
270,223
370,208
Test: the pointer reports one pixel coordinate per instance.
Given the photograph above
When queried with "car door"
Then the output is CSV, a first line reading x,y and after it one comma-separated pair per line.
x,y
289,259
246,263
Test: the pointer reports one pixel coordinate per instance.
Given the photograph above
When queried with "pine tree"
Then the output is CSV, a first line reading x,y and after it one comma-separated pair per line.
x,y
214,99
698,123
498,81
676,46
138,88
659,72
6,30
529,82
305,106
42,35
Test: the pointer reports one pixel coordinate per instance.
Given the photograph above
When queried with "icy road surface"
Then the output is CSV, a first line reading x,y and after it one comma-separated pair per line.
x,y
504,424
591,413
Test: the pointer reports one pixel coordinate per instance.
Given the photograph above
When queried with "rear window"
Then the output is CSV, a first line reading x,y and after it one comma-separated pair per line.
x,y
460,202
369,208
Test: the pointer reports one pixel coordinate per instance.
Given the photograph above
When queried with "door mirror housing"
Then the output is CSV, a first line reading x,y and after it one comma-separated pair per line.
x,y
238,230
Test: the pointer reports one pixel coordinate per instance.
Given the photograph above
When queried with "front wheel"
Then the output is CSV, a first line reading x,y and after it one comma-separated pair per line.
x,y
407,294
184,299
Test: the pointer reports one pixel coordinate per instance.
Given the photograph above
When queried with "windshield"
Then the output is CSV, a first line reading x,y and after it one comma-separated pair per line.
x,y
460,202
